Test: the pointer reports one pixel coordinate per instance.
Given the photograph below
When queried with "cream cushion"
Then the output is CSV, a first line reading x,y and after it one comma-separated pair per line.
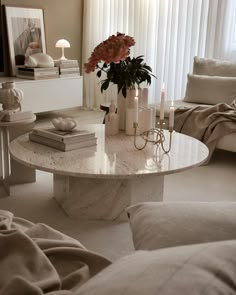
x,y
168,224
210,90
213,67
208,268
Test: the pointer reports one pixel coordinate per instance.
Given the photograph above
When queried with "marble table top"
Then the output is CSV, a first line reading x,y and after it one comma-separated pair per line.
x,y
18,122
112,157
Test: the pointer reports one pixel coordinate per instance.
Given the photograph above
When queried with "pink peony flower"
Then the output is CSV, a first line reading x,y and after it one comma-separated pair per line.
x,y
114,49
111,59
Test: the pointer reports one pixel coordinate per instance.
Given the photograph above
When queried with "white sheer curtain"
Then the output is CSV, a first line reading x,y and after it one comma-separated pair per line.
x,y
169,33
221,35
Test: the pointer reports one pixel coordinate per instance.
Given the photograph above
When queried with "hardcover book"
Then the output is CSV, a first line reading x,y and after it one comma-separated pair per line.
x,y
11,117
72,69
68,63
62,145
72,136
72,74
37,70
37,73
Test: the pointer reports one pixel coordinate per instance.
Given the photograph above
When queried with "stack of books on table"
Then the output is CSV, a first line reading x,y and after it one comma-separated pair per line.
x,y
15,116
63,140
68,67
37,73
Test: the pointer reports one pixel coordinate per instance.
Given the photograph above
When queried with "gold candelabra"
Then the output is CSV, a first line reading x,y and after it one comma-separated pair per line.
x,y
155,136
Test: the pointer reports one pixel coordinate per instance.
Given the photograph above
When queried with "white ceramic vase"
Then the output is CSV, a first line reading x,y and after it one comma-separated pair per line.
x,y
128,103
122,104
10,97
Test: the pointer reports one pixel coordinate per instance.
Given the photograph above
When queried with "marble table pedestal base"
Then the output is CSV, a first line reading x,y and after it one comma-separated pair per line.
x,y
106,199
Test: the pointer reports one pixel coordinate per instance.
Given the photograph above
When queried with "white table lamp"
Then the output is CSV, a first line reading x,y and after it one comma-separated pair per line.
x,y
62,43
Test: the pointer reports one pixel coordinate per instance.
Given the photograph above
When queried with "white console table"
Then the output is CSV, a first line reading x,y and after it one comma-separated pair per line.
x,y
49,94
39,96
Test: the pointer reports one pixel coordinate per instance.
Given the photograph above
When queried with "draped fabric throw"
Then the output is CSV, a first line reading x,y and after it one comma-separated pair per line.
x,y
36,259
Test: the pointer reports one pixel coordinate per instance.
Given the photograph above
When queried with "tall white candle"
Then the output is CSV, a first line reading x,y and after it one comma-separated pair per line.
x,y
162,106
135,109
171,117
129,121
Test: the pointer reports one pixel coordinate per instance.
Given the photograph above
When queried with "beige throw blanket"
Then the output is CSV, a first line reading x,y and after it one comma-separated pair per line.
x,y
208,124
36,259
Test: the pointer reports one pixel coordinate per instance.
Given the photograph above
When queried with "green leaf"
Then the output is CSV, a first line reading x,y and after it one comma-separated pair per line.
x,y
124,91
99,73
129,73
104,85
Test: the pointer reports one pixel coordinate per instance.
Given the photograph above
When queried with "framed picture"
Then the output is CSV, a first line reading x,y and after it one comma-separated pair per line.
x,y
25,31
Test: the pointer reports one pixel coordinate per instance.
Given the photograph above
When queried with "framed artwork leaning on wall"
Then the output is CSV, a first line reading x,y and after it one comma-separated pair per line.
x,y
26,34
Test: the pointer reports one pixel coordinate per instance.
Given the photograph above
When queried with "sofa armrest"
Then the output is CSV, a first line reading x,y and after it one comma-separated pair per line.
x,y
177,104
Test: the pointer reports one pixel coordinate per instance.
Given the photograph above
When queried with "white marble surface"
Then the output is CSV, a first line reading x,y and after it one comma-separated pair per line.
x,y
100,182
89,198
113,157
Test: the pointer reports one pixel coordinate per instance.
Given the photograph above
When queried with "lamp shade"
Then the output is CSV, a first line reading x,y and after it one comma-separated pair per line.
x,y
62,43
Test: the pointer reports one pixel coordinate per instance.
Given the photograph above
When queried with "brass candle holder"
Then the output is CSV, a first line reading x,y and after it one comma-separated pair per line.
x,y
155,136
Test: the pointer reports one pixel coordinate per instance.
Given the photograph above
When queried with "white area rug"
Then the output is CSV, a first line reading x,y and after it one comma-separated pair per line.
x,y
213,182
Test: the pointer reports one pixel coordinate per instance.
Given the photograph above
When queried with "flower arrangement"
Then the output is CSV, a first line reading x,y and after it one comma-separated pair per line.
x,y
112,58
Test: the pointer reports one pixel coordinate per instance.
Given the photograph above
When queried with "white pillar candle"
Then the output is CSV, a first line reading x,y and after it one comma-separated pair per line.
x,y
136,109
145,119
171,117
162,106
129,121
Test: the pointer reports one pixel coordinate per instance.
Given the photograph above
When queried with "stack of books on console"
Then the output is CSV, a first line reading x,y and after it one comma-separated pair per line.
x,y
68,67
37,73
63,140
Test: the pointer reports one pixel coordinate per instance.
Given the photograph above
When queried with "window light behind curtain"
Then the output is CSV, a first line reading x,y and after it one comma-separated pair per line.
x,y
169,33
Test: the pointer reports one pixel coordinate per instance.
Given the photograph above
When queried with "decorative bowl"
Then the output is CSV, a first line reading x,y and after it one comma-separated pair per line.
x,y
64,124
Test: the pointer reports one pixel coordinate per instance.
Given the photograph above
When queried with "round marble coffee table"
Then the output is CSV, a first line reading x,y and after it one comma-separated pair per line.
x,y
99,182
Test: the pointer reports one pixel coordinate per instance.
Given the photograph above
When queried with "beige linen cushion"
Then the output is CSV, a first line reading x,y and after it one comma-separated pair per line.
x,y
169,224
210,90
208,268
213,67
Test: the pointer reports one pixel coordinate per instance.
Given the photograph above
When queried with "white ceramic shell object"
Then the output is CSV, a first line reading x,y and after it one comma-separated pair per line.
x,y
64,124
40,60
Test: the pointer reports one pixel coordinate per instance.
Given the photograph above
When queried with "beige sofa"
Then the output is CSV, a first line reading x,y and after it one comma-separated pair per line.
x,y
182,248
212,81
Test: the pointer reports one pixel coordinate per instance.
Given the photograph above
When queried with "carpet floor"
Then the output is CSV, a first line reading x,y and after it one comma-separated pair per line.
x,y
34,201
